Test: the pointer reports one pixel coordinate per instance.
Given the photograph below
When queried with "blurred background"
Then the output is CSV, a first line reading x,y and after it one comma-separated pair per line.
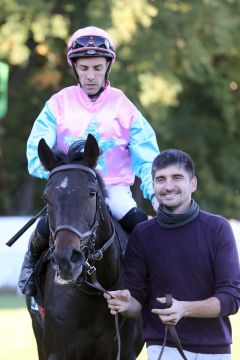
x,y
178,61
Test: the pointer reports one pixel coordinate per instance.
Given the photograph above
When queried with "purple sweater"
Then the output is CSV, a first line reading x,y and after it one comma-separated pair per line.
x,y
192,262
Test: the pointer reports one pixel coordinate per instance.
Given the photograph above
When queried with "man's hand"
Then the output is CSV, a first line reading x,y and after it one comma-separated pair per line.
x,y
123,302
119,302
171,315
208,308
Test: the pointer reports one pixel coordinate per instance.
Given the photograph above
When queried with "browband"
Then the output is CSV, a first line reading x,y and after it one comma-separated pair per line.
x,y
72,167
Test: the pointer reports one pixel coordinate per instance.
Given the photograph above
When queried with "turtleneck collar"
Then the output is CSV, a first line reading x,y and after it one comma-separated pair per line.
x,y
170,221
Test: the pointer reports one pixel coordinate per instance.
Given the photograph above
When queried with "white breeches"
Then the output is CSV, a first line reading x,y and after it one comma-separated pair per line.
x,y
119,200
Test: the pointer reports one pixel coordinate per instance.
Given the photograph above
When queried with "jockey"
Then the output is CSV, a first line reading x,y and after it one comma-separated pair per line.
x,y
125,137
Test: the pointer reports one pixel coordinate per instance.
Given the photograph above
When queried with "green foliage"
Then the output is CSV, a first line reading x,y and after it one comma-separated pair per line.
x,y
178,61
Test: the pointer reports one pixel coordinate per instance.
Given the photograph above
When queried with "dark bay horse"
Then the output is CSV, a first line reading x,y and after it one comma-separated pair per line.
x,y
86,253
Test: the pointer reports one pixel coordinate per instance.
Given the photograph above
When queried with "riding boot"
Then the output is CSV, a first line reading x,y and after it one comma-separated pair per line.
x,y
38,242
132,218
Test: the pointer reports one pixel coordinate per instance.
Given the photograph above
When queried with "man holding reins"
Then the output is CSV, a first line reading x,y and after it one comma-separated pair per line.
x,y
188,253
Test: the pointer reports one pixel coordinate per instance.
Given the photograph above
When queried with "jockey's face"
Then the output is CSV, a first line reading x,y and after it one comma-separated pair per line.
x,y
91,73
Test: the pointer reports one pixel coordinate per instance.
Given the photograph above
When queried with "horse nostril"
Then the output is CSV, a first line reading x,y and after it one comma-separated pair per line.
x,y
76,256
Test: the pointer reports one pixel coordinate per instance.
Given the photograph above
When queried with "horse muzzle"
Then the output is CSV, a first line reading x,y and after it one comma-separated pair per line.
x,y
62,282
68,267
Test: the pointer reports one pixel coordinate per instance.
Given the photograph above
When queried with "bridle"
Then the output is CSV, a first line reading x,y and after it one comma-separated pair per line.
x,y
90,235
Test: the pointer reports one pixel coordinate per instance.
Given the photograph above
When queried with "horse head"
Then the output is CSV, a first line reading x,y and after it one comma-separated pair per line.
x,y
75,199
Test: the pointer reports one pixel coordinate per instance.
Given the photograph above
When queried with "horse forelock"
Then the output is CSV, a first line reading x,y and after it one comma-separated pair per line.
x,y
75,155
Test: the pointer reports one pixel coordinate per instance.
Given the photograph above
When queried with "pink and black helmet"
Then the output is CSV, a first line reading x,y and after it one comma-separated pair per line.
x,y
90,41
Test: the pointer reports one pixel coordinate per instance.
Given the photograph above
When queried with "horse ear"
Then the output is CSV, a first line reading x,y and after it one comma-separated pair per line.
x,y
46,155
91,151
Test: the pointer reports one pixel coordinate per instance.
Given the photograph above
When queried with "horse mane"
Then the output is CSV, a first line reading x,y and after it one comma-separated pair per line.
x,y
75,155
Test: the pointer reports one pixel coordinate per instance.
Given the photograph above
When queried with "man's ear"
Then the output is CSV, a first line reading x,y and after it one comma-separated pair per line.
x,y
194,184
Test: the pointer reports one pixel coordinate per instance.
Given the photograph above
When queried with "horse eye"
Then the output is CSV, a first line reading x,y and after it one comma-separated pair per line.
x,y
47,200
92,193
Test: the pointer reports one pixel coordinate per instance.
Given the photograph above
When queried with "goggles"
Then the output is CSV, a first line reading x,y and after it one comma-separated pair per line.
x,y
91,42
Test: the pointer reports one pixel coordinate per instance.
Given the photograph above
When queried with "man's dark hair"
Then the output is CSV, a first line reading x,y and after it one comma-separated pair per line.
x,y
173,157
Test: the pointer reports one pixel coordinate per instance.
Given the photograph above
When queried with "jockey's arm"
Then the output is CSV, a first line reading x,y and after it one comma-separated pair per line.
x,y
143,149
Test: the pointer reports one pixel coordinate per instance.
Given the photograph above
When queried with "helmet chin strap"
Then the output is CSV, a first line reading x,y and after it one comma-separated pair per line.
x,y
108,70
95,96
75,73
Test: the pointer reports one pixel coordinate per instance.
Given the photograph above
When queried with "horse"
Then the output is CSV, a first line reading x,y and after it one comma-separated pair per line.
x,y
86,258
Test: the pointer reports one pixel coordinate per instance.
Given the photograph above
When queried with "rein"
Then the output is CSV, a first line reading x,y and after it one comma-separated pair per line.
x,y
173,333
91,270
97,286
